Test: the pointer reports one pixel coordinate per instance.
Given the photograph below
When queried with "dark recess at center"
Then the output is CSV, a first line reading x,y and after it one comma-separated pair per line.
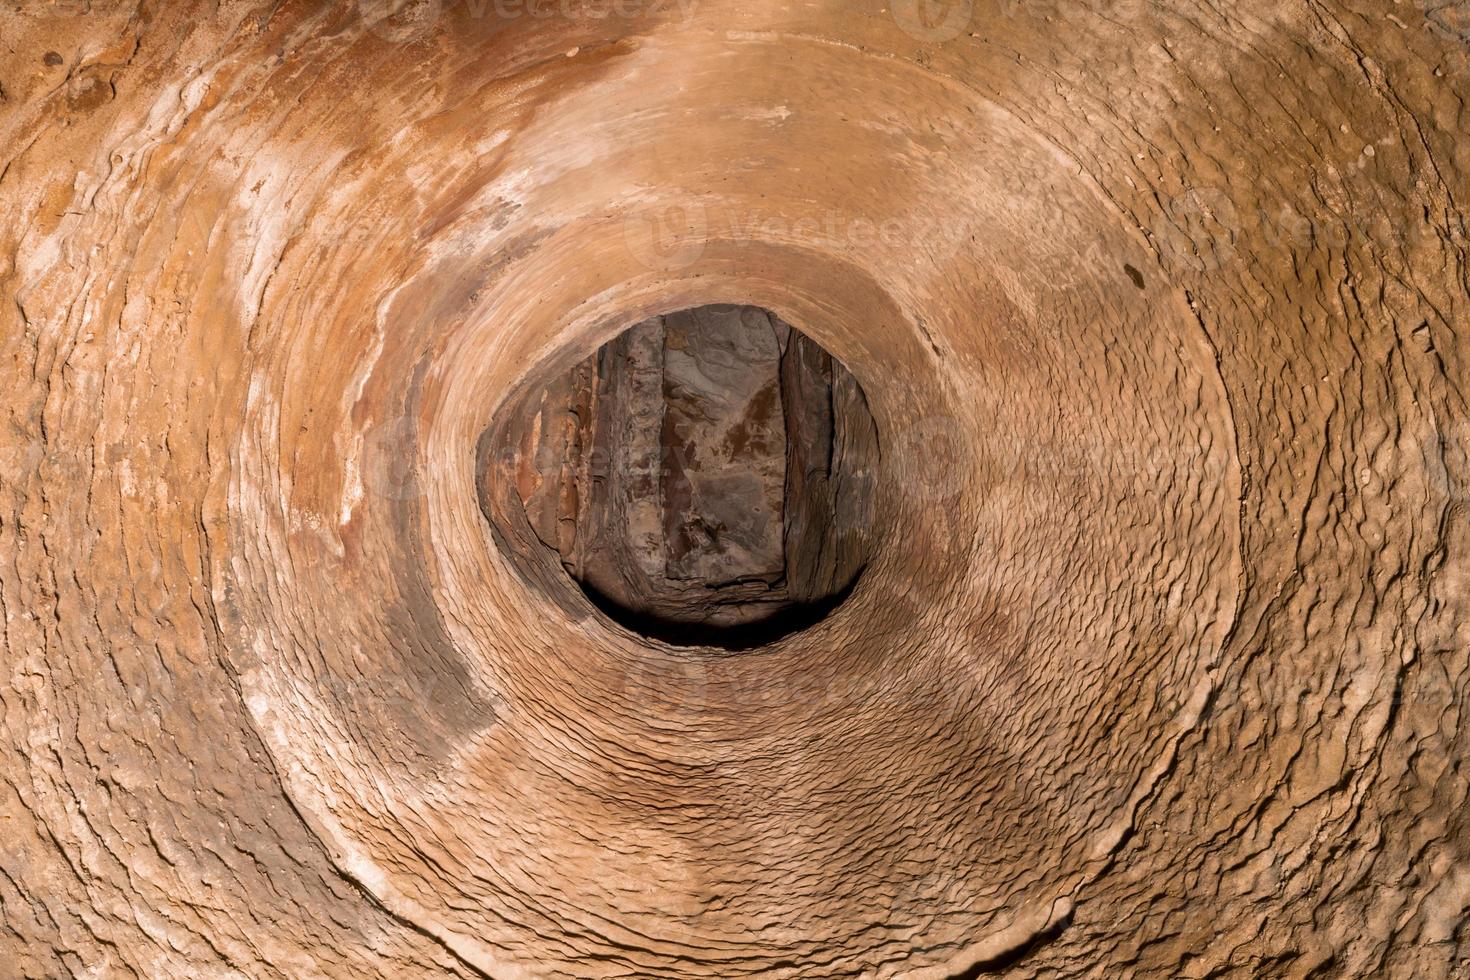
x,y
705,477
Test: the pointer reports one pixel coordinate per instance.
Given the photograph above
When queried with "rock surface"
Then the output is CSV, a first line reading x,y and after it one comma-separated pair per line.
x,y
724,440
707,468
1158,668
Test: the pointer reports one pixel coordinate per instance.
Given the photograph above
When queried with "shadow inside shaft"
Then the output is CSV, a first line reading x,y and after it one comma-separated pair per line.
x,y
786,620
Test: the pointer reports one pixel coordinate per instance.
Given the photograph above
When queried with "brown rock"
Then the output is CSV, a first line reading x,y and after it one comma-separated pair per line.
x,y
1158,662
716,500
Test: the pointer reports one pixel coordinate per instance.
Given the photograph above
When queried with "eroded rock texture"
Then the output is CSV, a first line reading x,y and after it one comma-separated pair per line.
x,y
1158,664
707,476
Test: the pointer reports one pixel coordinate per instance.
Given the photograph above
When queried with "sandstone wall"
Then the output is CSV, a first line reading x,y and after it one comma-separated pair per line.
x,y
1158,666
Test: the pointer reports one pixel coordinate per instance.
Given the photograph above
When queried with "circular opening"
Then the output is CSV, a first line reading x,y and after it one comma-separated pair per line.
x,y
705,477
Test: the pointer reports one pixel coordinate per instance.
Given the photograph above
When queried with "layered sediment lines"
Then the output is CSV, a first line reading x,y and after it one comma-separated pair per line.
x,y
1157,664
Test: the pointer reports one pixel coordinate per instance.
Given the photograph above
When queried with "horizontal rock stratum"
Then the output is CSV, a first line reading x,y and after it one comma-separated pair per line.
x,y
1157,662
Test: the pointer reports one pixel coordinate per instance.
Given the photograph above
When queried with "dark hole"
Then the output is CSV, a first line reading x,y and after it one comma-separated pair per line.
x,y
1134,274
705,477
